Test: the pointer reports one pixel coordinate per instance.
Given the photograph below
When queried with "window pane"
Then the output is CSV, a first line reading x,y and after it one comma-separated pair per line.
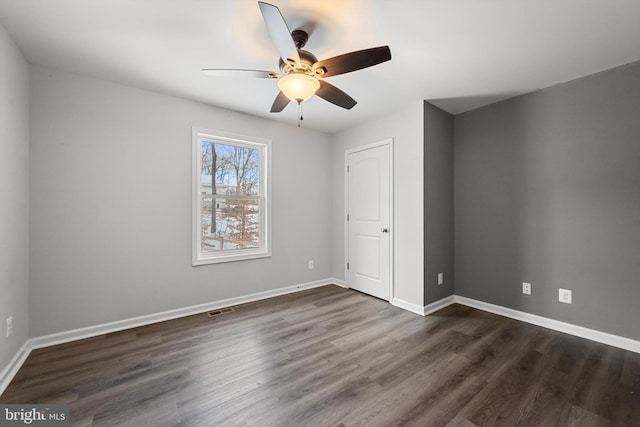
x,y
231,209
230,169
236,225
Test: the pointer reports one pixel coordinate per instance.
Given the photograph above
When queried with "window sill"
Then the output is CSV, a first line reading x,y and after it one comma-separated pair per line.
x,y
229,258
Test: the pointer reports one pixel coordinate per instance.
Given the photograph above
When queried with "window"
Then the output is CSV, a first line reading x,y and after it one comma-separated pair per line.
x,y
230,197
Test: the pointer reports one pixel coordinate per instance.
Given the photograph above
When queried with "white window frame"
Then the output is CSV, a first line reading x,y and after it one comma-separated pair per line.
x,y
199,135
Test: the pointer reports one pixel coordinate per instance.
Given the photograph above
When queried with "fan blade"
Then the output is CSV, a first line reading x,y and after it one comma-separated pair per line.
x,y
279,103
279,32
259,74
352,61
330,93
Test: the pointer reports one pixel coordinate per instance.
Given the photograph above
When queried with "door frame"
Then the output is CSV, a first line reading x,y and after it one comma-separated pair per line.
x,y
388,142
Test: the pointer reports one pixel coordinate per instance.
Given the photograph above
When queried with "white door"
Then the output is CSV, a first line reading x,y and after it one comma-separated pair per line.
x,y
368,220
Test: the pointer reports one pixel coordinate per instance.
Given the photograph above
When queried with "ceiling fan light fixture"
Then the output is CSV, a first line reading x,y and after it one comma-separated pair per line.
x,y
298,86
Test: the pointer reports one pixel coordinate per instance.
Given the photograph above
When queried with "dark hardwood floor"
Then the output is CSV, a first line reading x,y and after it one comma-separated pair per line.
x,y
334,357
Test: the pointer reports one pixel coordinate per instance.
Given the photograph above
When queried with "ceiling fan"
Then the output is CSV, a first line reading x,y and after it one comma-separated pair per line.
x,y
301,74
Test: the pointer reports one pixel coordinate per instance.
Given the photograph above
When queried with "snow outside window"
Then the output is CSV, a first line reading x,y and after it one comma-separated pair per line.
x,y
230,197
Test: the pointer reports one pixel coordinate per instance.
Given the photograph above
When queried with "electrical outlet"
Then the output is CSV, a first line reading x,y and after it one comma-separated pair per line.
x,y
310,264
440,278
9,325
564,295
526,288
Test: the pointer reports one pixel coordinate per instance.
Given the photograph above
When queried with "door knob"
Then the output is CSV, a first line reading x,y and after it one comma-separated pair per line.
x,y
385,230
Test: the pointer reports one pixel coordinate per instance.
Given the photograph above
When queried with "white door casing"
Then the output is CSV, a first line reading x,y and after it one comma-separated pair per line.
x,y
369,219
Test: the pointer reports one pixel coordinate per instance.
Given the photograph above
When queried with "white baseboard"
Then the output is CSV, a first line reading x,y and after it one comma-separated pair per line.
x,y
409,306
556,325
16,362
13,366
438,305
339,282
423,310
119,325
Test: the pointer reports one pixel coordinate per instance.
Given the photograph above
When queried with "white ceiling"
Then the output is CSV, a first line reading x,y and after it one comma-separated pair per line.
x,y
459,54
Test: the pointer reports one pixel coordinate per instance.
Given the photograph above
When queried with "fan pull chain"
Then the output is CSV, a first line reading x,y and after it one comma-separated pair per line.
x,y
300,118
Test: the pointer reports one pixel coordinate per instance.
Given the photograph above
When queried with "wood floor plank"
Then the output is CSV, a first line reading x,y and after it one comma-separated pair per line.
x,y
599,381
335,357
516,379
460,421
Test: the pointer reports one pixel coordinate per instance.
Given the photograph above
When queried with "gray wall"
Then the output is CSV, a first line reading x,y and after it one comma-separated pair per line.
x,y
111,204
547,190
438,203
405,127
14,197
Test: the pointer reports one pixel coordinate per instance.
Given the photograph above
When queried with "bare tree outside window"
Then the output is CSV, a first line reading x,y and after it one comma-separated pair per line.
x,y
230,196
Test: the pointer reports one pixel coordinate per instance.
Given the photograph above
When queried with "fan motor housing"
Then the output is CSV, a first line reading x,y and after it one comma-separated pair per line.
x,y
307,59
